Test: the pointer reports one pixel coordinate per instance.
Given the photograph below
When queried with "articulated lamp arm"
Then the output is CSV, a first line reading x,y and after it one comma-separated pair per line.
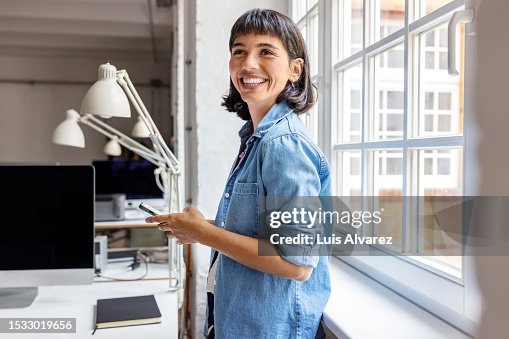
x,y
157,140
122,139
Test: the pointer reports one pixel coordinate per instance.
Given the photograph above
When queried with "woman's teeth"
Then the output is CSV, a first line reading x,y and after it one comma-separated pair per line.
x,y
253,81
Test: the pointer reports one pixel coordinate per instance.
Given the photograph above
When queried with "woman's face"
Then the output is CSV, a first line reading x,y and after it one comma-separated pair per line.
x,y
260,69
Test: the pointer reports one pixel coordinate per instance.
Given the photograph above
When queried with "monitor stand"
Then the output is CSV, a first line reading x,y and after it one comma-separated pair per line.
x,y
19,297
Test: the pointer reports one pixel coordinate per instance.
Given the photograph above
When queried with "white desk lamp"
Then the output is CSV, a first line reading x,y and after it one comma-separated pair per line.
x,y
107,99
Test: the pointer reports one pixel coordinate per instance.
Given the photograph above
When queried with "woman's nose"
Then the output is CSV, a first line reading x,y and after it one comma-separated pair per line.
x,y
250,62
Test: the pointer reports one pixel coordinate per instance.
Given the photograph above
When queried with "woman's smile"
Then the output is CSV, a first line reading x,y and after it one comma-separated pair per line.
x,y
251,83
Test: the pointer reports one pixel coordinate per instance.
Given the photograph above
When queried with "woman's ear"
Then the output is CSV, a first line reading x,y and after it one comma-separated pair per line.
x,y
296,67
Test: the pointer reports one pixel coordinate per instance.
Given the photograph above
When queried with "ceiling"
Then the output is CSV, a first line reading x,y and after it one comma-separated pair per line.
x,y
130,28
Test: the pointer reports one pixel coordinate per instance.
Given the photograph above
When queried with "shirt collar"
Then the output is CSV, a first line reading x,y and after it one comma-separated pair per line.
x,y
277,112
246,131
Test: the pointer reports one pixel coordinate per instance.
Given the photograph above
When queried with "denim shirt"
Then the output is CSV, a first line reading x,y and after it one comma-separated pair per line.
x,y
279,159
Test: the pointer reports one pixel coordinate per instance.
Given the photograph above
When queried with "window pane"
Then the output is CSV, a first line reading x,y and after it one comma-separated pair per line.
x,y
395,59
444,101
440,94
388,87
428,123
428,6
349,173
443,37
310,118
391,17
298,9
387,181
312,43
394,122
395,100
355,99
355,166
442,60
394,166
349,115
430,40
428,166
390,170
356,34
443,166
430,60
349,181
429,103
444,123
311,3
355,122
350,29
444,180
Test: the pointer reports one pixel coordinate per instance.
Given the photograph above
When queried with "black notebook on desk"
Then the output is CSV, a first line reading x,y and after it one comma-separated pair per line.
x,y
128,311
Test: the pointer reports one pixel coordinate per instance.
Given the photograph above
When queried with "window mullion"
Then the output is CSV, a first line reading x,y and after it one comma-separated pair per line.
x,y
327,37
439,15
366,177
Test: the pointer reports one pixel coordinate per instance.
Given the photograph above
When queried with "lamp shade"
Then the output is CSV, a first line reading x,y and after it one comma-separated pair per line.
x,y
68,132
112,147
105,97
140,130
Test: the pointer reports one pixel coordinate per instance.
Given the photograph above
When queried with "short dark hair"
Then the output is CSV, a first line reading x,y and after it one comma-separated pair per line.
x,y
301,95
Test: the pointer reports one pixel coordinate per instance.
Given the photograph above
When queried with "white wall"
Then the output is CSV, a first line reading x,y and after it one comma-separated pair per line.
x,y
213,140
492,115
35,91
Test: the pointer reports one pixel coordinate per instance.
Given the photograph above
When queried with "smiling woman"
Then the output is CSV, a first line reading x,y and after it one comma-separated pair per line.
x,y
275,295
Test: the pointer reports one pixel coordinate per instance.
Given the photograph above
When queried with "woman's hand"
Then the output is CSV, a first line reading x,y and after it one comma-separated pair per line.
x,y
187,227
190,226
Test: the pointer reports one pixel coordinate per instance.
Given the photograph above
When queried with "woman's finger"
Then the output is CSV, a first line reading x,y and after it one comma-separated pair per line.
x,y
164,227
159,218
182,240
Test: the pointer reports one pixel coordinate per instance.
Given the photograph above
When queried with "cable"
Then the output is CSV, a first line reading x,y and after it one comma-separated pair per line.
x,y
157,175
133,266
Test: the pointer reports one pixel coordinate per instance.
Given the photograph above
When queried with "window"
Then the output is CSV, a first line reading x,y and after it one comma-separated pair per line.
x,y
392,126
305,13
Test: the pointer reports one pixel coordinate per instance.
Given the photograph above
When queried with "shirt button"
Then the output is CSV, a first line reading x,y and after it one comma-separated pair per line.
x,y
227,195
222,223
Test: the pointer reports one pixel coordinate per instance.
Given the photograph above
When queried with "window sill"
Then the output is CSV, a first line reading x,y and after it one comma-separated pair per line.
x,y
360,307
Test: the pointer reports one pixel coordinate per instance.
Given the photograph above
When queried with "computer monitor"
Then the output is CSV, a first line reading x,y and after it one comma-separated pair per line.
x,y
134,178
47,229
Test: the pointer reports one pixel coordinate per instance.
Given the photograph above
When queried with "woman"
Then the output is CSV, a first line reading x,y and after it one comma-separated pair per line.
x,y
274,296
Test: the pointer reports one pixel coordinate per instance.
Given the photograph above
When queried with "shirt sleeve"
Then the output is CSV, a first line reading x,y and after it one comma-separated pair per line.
x,y
291,176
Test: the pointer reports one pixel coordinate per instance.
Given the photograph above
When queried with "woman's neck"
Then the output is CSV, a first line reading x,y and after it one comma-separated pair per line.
x,y
257,113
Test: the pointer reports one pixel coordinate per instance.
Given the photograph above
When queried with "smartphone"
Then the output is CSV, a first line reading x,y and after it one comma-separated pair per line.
x,y
149,209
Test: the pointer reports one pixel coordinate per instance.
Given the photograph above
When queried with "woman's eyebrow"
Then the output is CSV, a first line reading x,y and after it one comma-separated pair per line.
x,y
262,44
266,44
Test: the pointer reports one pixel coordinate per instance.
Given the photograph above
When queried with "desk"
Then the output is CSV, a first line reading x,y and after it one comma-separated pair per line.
x,y
79,302
106,225
150,236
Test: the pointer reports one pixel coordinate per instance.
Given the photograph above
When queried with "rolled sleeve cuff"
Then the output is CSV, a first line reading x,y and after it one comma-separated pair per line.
x,y
305,259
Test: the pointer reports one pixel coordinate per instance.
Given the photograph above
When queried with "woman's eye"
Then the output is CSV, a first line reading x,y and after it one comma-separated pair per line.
x,y
238,52
267,52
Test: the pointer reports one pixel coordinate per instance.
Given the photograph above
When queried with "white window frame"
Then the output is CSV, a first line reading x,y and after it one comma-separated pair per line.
x,y
310,118
456,300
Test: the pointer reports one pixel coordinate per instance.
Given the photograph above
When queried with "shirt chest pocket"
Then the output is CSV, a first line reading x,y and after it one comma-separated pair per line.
x,y
242,217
